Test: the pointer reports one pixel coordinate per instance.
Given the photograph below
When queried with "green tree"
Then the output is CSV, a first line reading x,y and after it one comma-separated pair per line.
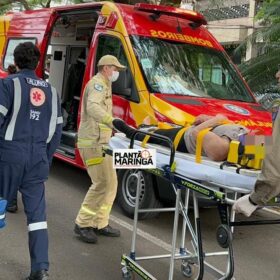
x,y
25,4
260,71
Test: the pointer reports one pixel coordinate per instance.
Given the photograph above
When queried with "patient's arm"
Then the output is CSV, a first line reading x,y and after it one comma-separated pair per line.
x,y
213,121
201,118
215,147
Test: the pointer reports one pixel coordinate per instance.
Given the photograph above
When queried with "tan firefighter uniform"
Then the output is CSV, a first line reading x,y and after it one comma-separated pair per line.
x,y
94,132
268,184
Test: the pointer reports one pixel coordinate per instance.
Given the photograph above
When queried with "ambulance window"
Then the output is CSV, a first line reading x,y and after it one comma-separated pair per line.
x,y
171,67
125,85
113,46
12,44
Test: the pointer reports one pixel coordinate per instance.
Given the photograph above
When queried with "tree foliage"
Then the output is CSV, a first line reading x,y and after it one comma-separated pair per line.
x,y
7,5
260,71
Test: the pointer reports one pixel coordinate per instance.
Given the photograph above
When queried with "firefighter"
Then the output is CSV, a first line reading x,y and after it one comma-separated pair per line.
x,y
267,185
94,132
30,130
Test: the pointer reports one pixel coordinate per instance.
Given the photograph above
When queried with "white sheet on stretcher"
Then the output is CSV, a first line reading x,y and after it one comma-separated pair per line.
x,y
207,171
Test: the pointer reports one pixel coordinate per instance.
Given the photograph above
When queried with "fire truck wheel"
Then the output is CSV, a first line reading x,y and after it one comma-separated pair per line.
x,y
126,196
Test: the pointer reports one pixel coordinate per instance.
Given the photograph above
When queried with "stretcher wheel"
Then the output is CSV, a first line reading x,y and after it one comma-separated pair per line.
x,y
224,236
186,269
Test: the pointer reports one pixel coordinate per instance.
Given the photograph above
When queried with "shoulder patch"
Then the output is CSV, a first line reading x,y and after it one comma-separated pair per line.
x,y
98,87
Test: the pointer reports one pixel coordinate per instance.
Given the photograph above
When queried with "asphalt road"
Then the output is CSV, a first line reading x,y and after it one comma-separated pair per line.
x,y
256,249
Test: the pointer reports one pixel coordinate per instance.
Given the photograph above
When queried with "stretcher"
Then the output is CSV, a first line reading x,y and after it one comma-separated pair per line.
x,y
215,180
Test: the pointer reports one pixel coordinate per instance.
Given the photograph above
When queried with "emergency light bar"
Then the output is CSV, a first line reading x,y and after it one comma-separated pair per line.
x,y
158,10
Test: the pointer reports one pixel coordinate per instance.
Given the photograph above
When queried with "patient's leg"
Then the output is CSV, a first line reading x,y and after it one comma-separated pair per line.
x,y
129,131
121,126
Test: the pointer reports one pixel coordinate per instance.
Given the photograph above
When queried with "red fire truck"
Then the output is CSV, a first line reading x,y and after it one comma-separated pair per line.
x,y
175,71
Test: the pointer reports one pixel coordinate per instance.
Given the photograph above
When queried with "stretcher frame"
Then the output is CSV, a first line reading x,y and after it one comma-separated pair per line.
x,y
224,231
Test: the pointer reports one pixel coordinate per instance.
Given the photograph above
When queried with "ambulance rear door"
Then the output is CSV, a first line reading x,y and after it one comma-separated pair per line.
x,y
33,26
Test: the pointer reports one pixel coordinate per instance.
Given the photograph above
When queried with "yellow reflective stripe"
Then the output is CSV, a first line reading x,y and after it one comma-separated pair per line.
x,y
199,140
104,127
107,119
88,211
93,161
106,207
179,135
145,140
84,143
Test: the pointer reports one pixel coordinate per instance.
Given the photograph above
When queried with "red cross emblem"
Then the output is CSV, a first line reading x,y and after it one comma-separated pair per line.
x,y
37,97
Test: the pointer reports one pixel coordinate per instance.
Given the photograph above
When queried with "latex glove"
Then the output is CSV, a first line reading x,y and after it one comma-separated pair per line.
x,y
244,206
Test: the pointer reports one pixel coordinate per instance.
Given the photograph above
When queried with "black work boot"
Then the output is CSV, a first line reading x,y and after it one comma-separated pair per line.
x,y
38,275
108,231
12,206
86,234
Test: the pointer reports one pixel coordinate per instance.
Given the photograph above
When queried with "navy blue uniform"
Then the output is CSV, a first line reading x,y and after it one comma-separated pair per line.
x,y
30,131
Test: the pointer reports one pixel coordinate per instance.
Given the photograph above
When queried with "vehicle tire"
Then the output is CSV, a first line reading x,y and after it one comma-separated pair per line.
x,y
126,194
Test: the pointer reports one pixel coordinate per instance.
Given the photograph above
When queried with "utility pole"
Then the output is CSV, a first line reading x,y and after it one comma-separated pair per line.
x,y
251,50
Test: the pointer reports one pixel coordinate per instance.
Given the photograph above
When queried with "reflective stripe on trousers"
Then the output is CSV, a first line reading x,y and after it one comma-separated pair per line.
x,y
37,226
93,161
96,207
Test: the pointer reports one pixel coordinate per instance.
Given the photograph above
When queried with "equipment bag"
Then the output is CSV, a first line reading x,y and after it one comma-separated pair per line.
x,y
3,205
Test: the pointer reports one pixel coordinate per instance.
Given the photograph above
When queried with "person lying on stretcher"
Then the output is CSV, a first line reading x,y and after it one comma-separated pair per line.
x,y
215,144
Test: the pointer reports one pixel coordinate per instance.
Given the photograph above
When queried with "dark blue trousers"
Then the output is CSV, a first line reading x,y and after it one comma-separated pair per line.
x,y
26,169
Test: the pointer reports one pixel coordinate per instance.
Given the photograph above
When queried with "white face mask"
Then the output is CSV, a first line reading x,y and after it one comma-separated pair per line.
x,y
114,76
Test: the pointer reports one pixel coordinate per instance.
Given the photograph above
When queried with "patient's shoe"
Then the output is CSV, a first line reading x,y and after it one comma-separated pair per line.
x,y
121,126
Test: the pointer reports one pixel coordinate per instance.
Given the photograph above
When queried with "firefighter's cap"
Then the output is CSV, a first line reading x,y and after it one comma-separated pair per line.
x,y
110,60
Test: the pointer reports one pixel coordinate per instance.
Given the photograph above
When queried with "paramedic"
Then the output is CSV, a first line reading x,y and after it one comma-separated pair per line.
x,y
30,130
267,185
215,144
94,132
12,205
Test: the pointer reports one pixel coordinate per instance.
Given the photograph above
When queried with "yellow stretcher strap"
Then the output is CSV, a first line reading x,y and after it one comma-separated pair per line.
x,y
199,141
145,140
179,135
